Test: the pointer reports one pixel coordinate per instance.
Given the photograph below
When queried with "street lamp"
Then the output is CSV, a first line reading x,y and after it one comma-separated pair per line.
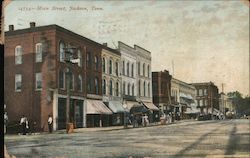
x,y
69,60
125,118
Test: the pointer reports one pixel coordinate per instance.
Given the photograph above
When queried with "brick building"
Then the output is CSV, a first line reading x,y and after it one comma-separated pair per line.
x,y
36,75
207,97
161,82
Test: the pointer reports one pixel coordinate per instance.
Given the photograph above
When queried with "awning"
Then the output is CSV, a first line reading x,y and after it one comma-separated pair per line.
x,y
151,106
97,107
130,104
116,107
138,108
192,111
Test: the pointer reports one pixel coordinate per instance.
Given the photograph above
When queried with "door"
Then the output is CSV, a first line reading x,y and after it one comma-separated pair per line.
x,y
61,113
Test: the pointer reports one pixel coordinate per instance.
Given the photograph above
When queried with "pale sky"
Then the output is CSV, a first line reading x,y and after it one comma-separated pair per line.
x,y
206,40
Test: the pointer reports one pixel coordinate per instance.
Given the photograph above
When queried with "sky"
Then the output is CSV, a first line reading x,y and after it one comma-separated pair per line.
x,y
196,41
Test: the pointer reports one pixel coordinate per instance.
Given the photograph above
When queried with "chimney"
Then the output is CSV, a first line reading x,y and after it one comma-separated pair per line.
x,y
11,27
32,24
105,44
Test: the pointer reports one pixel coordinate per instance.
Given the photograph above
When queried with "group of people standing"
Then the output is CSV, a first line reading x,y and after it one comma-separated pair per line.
x,y
25,124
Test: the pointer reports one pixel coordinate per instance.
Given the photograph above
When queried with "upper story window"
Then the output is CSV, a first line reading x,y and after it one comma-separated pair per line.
x,y
110,66
79,55
124,88
61,79
103,65
96,63
133,90
88,60
18,82
132,70
123,67
205,91
79,86
128,88
38,81
39,55
103,86
71,81
89,85
201,102
200,92
139,87
144,88
117,89
127,68
116,68
148,71
143,69
110,87
61,49
18,55
139,68
149,89
96,85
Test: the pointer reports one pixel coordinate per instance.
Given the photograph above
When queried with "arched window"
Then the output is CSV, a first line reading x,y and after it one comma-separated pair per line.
x,y
129,89
110,66
79,83
148,72
124,88
103,65
139,68
149,89
61,49
104,86
96,86
88,60
110,87
89,85
116,68
127,68
139,87
133,90
96,63
132,70
18,55
144,88
39,52
123,67
117,89
143,69
79,55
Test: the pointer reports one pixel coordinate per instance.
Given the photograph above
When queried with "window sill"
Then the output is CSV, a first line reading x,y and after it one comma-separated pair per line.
x,y
18,90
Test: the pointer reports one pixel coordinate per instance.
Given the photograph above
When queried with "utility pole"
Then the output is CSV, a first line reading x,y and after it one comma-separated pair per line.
x,y
69,60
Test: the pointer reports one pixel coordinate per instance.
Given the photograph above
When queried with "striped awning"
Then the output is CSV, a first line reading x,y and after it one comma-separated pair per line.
x,y
116,106
97,107
151,106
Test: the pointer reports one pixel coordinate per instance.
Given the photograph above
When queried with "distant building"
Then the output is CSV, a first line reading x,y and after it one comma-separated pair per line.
x,y
207,97
183,97
161,82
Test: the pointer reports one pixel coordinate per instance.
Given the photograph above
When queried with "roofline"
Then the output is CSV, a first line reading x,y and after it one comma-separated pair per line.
x,y
142,48
60,28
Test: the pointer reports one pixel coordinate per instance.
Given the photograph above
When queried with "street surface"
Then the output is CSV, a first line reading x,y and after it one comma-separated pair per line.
x,y
226,138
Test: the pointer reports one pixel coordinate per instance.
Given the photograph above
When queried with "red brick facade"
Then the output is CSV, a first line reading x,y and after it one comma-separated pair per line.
x,y
37,105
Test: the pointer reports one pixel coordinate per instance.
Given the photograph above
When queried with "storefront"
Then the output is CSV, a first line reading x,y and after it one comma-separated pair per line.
x,y
98,114
118,112
153,112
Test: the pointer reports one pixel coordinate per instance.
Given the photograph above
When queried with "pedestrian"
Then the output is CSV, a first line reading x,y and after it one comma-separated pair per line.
x,y
50,125
23,124
27,124
5,122
146,120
